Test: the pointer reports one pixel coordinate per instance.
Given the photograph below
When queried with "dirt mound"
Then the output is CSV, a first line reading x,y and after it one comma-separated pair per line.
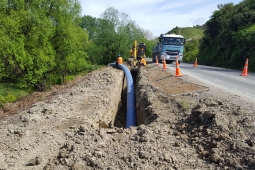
x,y
74,129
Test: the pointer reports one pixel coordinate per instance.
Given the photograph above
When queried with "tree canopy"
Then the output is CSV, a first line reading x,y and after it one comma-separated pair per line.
x,y
112,34
44,41
229,37
41,41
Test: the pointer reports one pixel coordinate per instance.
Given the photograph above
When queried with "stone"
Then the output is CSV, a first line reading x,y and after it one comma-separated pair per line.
x,y
111,131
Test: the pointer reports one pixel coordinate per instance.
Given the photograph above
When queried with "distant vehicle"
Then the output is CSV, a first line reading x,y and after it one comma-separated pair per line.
x,y
169,47
137,54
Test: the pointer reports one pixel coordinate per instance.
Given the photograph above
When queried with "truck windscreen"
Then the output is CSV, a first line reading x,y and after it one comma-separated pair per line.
x,y
173,41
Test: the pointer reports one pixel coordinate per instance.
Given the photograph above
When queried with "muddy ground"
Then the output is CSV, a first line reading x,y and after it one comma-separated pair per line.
x,y
81,125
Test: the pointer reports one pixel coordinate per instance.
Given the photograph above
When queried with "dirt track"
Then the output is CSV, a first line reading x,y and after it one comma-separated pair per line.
x,y
76,127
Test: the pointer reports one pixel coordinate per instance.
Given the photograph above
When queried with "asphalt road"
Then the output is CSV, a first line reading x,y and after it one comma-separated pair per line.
x,y
225,79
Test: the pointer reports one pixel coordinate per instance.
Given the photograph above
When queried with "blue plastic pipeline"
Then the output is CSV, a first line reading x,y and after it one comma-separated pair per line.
x,y
131,113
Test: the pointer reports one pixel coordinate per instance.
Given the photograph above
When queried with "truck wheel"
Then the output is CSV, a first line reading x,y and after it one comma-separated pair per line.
x,y
179,62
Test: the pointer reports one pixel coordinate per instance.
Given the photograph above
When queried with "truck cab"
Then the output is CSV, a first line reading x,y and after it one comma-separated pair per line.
x,y
141,51
169,47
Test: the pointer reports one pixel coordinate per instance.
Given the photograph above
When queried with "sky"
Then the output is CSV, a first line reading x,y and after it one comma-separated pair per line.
x,y
158,16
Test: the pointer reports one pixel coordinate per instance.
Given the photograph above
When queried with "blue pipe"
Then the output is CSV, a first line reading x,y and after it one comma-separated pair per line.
x,y
131,113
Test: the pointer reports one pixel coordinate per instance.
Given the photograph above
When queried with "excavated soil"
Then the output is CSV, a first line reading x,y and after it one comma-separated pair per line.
x,y
180,125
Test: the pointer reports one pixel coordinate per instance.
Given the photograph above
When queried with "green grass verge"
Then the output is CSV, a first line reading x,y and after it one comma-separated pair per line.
x,y
11,88
10,92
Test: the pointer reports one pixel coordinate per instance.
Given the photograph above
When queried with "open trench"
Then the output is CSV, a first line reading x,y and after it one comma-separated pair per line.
x,y
143,113
63,133
39,137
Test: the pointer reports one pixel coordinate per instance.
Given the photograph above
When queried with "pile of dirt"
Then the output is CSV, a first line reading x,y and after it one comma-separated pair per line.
x,y
221,131
186,127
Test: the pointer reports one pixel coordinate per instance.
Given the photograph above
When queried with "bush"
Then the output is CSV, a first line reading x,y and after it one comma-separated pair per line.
x,y
10,98
2,100
190,56
7,99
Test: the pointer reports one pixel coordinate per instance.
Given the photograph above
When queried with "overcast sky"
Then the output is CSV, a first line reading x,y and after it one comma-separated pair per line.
x,y
158,16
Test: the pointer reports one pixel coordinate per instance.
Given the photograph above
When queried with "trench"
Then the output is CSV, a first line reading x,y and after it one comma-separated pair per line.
x,y
142,115
120,118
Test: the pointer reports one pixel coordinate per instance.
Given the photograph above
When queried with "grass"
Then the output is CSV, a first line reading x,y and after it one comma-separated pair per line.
x,y
13,89
10,92
189,32
184,105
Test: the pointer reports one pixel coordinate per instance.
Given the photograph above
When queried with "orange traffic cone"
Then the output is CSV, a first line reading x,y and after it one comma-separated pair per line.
x,y
178,71
195,63
157,60
245,70
164,64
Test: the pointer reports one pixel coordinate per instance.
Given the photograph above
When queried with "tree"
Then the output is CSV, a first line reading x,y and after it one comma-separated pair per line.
x,y
90,24
111,34
228,37
41,41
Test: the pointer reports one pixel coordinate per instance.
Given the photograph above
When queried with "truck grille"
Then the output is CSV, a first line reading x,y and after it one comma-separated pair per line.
x,y
172,52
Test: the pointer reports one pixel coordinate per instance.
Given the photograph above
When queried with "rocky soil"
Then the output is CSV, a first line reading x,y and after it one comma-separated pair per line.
x,y
181,125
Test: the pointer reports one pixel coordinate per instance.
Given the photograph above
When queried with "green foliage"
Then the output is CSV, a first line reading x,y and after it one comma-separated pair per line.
x,y
2,100
149,47
6,99
112,34
229,37
10,98
41,42
191,50
13,89
190,56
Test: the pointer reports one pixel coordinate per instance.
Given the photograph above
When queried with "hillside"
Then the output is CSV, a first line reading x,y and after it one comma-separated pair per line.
x,y
187,32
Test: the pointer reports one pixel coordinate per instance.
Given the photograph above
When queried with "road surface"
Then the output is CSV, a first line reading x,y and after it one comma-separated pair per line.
x,y
225,79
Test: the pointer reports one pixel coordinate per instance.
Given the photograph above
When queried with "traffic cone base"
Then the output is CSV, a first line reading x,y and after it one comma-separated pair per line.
x,y
244,74
245,69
